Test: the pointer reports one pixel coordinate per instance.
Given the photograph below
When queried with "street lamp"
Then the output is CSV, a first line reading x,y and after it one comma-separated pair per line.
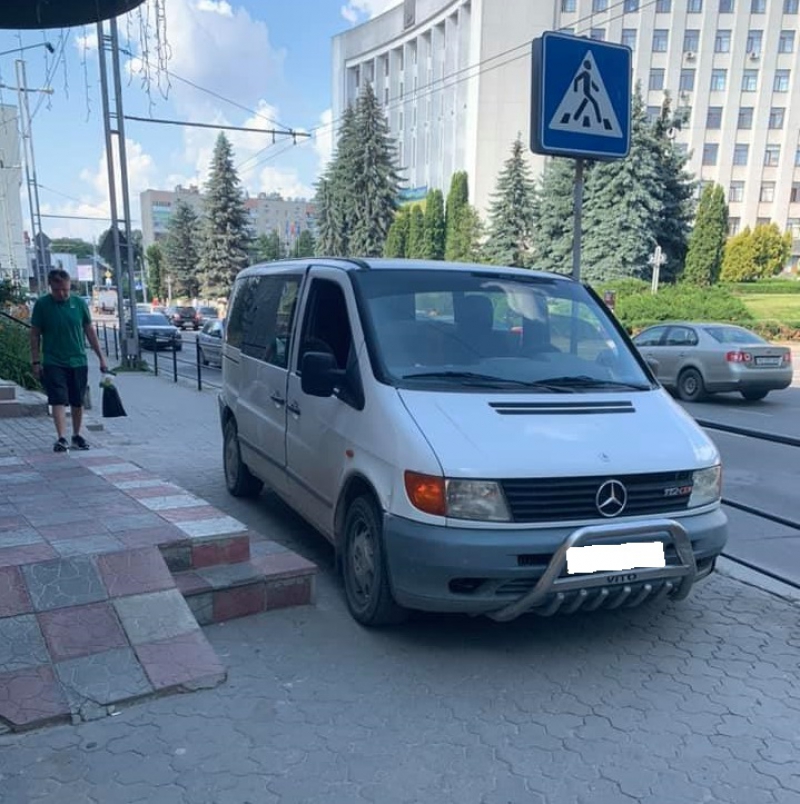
x,y
46,45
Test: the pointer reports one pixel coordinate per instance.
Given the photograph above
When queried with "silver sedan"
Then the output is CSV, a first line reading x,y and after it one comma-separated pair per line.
x,y
696,359
210,342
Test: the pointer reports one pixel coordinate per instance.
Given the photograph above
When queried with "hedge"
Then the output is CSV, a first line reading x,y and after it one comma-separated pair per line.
x,y
15,356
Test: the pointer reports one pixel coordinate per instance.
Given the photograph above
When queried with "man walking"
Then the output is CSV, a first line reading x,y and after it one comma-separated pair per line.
x,y
59,322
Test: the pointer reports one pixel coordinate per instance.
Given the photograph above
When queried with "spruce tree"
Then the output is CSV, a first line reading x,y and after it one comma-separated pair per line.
x,y
511,213
415,248
304,246
342,176
397,239
704,258
182,250
268,247
457,199
552,216
328,220
227,238
375,183
434,226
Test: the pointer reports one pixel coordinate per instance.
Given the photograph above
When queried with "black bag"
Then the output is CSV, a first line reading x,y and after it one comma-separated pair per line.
x,y
112,404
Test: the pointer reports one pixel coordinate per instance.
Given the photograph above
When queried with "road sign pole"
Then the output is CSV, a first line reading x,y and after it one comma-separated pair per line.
x,y
577,215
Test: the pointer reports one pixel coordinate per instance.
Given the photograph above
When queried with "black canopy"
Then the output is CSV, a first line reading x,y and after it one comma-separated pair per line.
x,y
38,14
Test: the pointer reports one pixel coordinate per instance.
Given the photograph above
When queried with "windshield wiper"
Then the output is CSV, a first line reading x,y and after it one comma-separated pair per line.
x,y
584,381
468,378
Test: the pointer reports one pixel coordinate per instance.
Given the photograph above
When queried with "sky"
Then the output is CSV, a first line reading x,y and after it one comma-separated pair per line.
x,y
269,61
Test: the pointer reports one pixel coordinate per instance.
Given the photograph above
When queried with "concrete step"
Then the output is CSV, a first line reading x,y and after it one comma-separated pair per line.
x,y
8,391
22,403
212,551
273,578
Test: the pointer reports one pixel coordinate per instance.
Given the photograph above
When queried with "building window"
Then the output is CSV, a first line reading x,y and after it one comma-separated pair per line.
x,y
660,40
776,116
741,151
745,121
794,196
691,40
767,193
710,151
726,6
663,6
714,117
694,6
386,96
568,6
781,82
754,41
599,5
629,38
722,42
598,34
718,80
790,6
797,158
758,6
749,80
686,82
786,42
772,155
656,83
763,221
736,192
734,224
631,6
793,225
652,113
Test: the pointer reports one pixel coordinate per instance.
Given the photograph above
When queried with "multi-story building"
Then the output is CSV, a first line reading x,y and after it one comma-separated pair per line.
x,y
455,78
267,213
13,257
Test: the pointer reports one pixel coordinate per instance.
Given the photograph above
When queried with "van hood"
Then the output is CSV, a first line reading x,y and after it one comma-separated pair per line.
x,y
537,435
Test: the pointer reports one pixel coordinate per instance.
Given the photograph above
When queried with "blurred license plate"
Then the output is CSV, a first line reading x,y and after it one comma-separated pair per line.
x,y
614,557
768,361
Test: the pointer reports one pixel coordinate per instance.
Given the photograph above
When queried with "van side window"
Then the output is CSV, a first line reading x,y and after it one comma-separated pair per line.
x,y
267,319
326,327
241,302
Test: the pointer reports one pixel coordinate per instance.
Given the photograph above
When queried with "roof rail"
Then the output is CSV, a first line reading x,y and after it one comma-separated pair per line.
x,y
357,261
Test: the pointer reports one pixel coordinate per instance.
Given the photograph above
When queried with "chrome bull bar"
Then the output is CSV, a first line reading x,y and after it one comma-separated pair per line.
x,y
552,584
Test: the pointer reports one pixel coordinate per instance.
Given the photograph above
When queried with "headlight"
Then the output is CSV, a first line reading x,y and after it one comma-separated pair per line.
x,y
706,486
479,500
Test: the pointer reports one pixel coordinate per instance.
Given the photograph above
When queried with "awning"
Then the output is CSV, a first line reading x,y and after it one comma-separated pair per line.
x,y
38,14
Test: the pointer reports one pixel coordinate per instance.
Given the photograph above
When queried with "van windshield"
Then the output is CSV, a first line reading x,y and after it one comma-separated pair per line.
x,y
456,329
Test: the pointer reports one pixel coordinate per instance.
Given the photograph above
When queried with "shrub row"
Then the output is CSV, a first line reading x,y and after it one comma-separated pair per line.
x,y
15,356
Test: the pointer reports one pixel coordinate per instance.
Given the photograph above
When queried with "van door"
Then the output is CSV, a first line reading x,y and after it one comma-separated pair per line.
x,y
318,429
265,347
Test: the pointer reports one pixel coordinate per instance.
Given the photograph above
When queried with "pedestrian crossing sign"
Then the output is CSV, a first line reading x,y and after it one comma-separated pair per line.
x,y
581,97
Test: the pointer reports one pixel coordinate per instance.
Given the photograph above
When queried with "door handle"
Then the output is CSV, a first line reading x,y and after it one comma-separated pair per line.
x,y
277,399
294,408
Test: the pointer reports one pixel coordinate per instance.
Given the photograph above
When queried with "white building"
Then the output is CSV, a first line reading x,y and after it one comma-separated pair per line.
x,y
455,77
13,259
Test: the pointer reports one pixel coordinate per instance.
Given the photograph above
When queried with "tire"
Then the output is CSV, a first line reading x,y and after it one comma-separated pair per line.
x,y
690,386
238,479
754,396
366,580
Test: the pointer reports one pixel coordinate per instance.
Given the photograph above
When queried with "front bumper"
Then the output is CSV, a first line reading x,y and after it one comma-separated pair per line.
x,y
504,573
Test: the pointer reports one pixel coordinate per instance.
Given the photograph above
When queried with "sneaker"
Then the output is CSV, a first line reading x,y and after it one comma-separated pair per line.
x,y
79,442
61,445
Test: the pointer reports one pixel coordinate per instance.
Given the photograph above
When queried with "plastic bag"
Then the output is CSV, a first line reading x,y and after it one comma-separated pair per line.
x,y
112,403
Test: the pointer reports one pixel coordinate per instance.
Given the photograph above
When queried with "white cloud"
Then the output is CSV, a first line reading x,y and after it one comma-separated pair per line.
x,y
87,43
220,7
324,139
284,181
355,9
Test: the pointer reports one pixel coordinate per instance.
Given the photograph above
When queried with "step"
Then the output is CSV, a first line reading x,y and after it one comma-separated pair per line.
x,y
8,391
10,409
192,554
273,578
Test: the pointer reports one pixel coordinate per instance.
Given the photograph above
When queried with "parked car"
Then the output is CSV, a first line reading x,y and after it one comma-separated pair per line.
x,y
184,317
462,465
143,308
207,314
210,343
156,332
695,360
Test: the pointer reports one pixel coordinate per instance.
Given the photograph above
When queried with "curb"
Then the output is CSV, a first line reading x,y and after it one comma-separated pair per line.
x,y
738,572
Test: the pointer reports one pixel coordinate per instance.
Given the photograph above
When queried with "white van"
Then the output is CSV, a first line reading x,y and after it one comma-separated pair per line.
x,y
471,439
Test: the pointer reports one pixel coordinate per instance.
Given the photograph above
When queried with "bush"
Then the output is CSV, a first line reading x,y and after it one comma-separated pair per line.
x,y
15,355
622,287
681,302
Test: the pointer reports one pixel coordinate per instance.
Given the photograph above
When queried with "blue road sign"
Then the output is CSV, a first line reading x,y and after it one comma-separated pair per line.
x,y
581,97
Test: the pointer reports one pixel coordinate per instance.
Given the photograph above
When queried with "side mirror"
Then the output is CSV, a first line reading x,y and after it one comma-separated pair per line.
x,y
320,374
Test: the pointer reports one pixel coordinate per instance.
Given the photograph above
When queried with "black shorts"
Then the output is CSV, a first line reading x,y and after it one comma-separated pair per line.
x,y
64,385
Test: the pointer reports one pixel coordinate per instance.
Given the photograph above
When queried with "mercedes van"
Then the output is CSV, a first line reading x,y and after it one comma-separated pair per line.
x,y
470,438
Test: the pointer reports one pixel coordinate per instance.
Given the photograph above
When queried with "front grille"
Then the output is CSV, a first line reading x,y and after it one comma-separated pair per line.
x,y
574,498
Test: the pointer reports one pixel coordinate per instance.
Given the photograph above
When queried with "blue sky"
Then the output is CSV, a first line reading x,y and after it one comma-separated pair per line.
x,y
270,57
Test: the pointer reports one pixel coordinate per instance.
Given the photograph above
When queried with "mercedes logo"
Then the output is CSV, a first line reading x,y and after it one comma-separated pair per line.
x,y
611,498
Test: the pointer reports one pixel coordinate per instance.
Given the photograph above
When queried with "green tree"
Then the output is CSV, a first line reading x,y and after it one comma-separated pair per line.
x,y
465,244
328,223
227,238
511,213
415,248
269,247
457,199
72,245
434,226
181,250
155,260
375,184
704,258
304,246
552,216
758,254
397,240
737,258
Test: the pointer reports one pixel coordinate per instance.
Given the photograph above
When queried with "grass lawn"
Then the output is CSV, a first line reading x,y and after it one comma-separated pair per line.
x,y
773,306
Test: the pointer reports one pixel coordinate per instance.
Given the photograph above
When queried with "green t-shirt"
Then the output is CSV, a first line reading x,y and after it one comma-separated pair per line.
x,y
61,324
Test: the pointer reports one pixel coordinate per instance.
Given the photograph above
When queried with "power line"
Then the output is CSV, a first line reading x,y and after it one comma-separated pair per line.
x,y
286,133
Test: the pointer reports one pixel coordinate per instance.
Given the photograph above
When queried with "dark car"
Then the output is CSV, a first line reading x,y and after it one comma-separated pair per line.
x,y
184,317
207,314
156,332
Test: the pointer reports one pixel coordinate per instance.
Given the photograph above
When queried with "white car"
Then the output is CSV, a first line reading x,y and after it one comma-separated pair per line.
x,y
470,438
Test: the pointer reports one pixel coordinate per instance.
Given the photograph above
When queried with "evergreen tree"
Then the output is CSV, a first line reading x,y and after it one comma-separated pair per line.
x,y
457,199
434,226
304,246
415,248
466,236
227,238
328,233
758,254
511,213
704,258
182,250
375,183
737,258
552,216
269,247
339,190
397,239
155,270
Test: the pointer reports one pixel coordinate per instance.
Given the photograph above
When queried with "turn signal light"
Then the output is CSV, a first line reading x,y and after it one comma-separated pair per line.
x,y
738,357
787,358
427,493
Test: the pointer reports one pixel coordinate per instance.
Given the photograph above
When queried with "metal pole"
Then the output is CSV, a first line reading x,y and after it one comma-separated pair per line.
x,y
576,220
174,363
123,178
199,369
112,185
